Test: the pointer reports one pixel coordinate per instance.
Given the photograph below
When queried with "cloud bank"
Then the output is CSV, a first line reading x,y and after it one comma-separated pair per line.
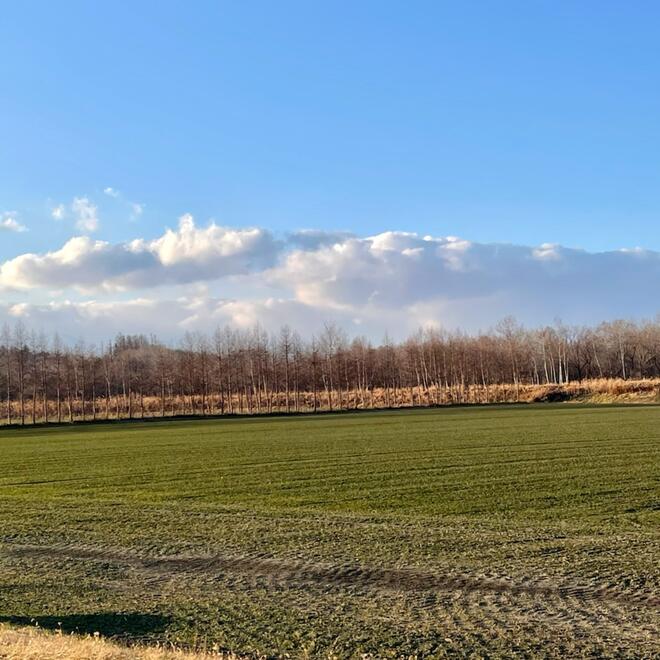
x,y
392,281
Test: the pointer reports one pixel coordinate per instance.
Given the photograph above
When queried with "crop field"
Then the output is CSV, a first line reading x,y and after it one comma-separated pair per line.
x,y
464,532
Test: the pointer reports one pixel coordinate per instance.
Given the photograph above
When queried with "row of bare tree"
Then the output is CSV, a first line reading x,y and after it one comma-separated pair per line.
x,y
244,372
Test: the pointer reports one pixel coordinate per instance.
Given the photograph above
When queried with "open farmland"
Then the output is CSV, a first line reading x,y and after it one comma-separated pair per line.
x,y
493,530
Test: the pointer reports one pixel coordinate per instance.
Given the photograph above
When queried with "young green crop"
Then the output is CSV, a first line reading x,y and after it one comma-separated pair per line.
x,y
425,533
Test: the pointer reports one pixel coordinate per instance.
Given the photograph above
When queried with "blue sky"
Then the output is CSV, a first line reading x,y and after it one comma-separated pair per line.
x,y
510,122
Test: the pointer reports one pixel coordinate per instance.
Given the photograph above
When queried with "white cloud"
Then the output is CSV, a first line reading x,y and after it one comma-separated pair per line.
x,y
455,282
388,269
58,212
547,251
86,215
188,254
207,247
111,192
9,222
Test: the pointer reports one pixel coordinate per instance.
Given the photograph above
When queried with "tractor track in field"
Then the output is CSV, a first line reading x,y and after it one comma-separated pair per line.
x,y
293,573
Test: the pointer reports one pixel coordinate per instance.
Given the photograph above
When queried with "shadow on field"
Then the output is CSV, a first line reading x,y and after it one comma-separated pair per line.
x,y
108,624
553,400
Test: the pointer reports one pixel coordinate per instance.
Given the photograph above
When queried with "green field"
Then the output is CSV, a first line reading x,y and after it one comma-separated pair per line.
x,y
531,530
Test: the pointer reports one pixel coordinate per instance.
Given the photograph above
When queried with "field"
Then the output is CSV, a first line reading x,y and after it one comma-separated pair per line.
x,y
530,530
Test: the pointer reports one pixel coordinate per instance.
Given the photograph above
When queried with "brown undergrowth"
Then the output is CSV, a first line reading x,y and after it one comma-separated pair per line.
x,y
594,391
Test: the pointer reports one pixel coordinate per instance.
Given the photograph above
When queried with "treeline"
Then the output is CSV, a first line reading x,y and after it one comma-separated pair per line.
x,y
246,372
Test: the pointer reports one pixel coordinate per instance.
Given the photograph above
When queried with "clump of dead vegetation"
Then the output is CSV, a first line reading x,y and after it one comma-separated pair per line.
x,y
33,643
601,390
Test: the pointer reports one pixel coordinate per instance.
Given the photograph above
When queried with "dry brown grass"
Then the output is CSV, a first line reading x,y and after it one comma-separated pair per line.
x,y
599,390
32,643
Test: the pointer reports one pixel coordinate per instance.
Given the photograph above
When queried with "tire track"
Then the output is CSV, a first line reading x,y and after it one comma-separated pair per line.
x,y
293,573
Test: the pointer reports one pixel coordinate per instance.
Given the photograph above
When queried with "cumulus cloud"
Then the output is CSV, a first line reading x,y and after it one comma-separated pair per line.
x,y
454,281
187,254
111,192
393,281
9,222
86,215
388,269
